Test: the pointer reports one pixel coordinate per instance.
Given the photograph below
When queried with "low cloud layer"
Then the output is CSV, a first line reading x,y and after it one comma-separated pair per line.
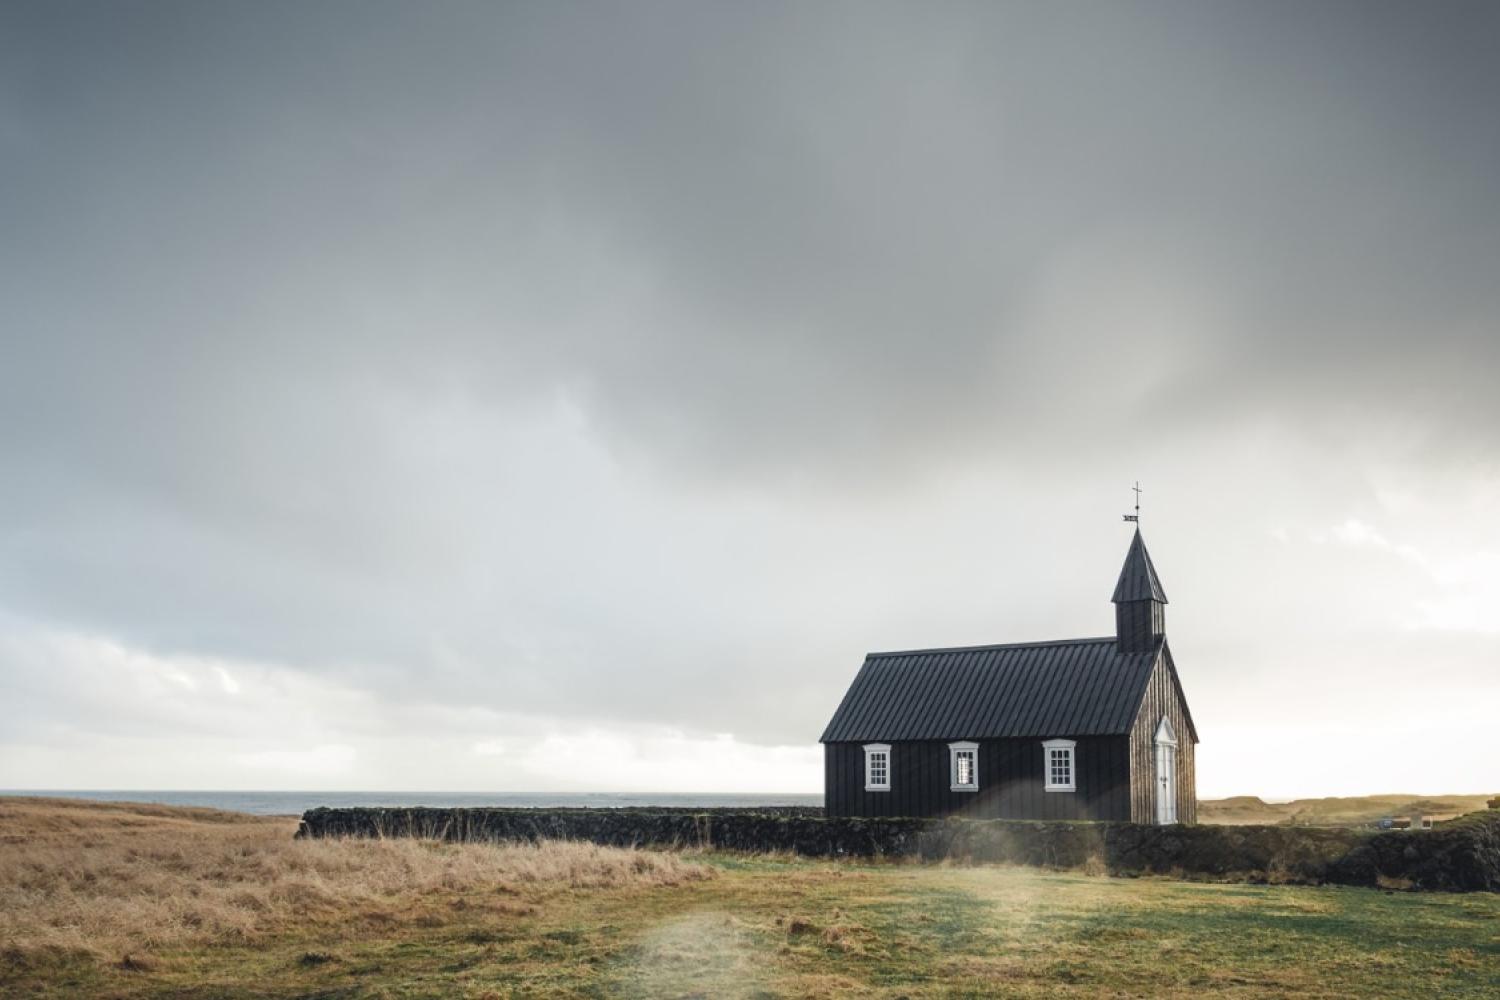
x,y
505,376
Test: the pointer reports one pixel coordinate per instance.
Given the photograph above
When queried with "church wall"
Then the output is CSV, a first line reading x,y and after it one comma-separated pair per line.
x,y
1011,781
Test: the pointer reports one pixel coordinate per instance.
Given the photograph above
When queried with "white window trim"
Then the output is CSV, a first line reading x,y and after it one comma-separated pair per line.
x,y
953,751
874,748
1047,747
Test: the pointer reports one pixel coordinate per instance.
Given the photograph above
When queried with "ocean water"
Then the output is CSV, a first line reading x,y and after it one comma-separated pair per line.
x,y
295,803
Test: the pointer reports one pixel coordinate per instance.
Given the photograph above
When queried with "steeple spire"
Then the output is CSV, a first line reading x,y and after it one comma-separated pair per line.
x,y
1140,616
1138,579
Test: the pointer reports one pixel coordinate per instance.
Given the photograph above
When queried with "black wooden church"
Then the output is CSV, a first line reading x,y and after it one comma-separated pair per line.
x,y
1093,729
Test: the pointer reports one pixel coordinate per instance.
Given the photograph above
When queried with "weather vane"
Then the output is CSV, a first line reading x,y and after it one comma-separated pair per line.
x,y
1137,515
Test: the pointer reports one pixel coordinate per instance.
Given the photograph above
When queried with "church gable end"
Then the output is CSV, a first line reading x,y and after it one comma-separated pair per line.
x,y
1162,699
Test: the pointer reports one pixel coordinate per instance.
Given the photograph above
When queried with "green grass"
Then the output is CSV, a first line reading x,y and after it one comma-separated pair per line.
x,y
776,927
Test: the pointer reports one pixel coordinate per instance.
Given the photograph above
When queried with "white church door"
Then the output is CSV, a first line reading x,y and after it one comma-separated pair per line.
x,y
1166,773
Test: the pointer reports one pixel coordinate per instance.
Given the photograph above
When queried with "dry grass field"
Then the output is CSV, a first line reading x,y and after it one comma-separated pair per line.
x,y
114,900
1349,811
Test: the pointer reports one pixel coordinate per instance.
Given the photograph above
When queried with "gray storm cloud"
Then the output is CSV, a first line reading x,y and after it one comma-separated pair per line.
x,y
649,363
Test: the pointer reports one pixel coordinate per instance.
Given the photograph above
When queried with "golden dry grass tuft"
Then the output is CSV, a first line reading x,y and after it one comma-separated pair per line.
x,y
113,879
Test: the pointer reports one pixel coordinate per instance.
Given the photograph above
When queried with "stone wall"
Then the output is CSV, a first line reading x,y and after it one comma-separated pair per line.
x,y
1463,855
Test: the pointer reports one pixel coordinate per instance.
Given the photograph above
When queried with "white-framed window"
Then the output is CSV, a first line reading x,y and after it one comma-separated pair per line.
x,y
1061,770
963,766
877,767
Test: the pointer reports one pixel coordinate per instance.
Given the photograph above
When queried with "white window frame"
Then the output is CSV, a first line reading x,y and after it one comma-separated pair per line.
x,y
1067,746
954,749
871,749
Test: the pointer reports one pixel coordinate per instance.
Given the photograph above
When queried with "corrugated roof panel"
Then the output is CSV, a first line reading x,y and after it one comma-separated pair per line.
x,y
1007,676
991,699
1097,702
956,712
1101,690
1041,668
1081,687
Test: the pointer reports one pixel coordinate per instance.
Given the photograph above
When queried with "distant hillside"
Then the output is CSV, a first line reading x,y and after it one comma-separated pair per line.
x,y
1355,811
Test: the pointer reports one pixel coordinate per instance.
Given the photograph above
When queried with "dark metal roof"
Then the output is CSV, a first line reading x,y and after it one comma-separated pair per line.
x,y
1138,579
1077,687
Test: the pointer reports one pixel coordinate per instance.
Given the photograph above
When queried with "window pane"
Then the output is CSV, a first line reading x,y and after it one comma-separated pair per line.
x,y
1060,767
877,762
963,767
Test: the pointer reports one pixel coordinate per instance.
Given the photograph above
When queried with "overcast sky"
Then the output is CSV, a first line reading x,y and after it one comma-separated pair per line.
x,y
566,396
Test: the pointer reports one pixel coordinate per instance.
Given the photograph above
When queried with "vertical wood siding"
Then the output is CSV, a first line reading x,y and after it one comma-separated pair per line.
x,y
1011,780
1160,699
1139,625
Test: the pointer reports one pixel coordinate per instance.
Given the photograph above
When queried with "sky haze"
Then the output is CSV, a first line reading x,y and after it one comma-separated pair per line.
x,y
566,396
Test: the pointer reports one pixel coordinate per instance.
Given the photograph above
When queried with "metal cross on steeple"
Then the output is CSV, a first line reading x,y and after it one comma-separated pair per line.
x,y
1136,517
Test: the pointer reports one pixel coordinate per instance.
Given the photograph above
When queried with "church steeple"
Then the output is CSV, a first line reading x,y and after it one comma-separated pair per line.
x,y
1140,616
